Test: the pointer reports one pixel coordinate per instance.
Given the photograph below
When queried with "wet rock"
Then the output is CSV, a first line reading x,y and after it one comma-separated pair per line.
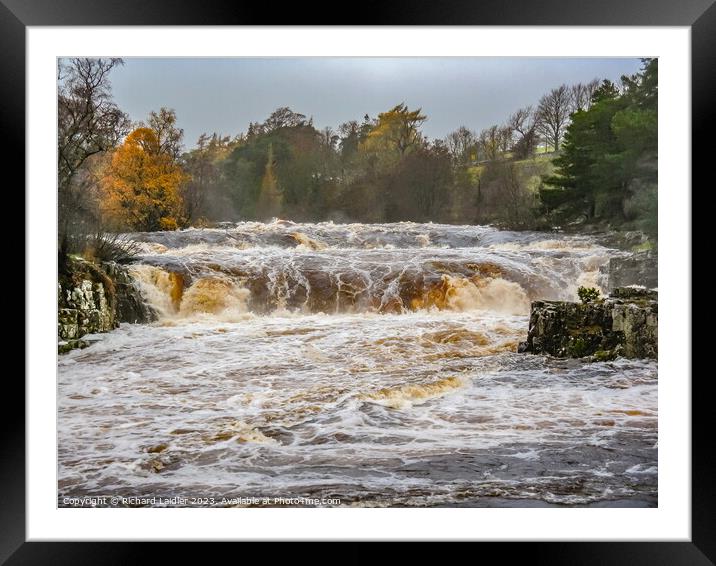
x,y
624,324
631,240
129,306
638,269
64,346
158,460
634,294
94,299
85,301
638,322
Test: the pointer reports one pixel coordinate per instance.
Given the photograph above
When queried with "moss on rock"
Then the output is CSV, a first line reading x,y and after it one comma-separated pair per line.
x,y
625,323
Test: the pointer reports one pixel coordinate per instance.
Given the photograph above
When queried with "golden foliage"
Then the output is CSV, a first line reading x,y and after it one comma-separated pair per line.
x,y
396,130
141,185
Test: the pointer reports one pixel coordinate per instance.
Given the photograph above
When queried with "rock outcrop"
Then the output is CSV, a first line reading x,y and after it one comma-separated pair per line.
x,y
638,269
94,299
623,324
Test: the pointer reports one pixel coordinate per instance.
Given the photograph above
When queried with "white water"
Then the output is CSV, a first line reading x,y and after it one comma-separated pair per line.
x,y
374,364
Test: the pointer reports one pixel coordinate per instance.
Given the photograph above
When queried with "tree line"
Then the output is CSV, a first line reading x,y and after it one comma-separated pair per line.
x,y
115,175
607,170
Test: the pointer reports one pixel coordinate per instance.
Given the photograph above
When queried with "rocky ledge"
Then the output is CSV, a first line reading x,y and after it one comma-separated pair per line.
x,y
93,299
623,324
640,268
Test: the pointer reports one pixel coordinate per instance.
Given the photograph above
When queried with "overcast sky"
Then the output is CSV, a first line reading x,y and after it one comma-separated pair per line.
x,y
224,95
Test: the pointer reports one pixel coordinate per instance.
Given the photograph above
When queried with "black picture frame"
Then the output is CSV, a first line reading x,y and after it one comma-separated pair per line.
x,y
16,15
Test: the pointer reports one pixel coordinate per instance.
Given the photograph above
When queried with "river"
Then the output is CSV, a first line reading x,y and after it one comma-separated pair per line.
x,y
356,365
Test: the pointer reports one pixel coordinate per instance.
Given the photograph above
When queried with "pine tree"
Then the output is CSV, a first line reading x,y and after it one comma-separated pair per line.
x,y
607,169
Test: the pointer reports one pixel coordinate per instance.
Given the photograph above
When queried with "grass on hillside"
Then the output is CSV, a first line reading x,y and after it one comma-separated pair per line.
x,y
540,164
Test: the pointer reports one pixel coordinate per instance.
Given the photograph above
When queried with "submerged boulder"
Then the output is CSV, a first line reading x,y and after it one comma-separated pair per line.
x,y
623,324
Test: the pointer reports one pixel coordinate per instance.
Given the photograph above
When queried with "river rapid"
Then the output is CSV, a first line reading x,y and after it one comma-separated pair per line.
x,y
354,365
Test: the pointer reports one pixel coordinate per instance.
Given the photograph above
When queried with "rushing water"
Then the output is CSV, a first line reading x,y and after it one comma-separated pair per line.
x,y
373,365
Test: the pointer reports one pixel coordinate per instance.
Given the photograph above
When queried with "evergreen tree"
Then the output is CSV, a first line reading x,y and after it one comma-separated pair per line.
x,y
608,162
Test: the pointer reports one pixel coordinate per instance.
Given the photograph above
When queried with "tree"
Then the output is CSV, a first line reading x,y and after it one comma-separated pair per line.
x,y
523,123
350,138
505,135
396,130
608,166
515,202
490,142
580,95
269,203
461,145
169,136
419,187
284,118
329,138
553,115
605,91
353,162
141,185
383,168
89,123
203,193
577,182
644,86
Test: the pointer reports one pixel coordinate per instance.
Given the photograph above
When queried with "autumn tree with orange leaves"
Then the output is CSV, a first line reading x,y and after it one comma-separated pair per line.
x,y
141,185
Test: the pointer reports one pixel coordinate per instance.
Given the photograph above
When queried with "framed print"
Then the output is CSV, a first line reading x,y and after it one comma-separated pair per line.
x,y
379,281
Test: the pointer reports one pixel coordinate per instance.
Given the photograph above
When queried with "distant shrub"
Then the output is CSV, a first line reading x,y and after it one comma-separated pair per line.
x,y
588,294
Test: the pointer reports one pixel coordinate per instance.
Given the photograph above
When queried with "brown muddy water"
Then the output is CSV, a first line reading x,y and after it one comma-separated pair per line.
x,y
355,365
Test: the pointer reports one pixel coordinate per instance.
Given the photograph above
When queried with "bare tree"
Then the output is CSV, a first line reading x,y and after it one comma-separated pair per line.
x,y
521,120
505,135
553,115
524,125
489,142
461,144
329,138
88,120
514,200
580,95
88,124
